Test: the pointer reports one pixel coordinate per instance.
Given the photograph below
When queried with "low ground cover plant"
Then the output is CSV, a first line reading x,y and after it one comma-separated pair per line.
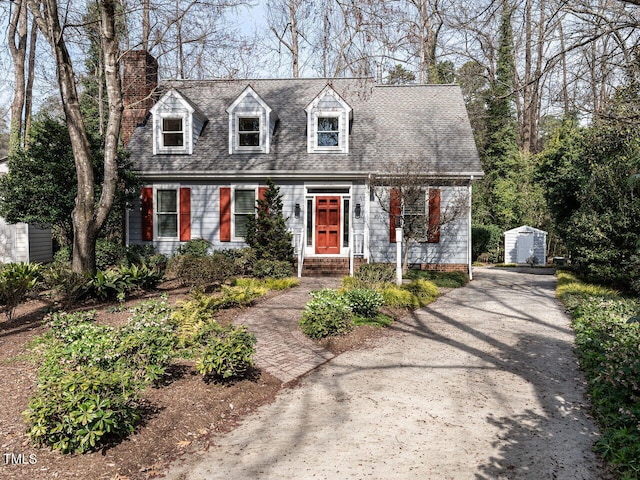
x,y
91,376
607,337
16,281
441,279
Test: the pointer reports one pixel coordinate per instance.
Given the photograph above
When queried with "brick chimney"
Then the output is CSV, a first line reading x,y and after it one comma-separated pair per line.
x,y
139,82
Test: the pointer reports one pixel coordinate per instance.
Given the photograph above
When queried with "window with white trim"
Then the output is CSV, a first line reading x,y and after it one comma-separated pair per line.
x,y
248,132
244,207
172,132
328,134
166,213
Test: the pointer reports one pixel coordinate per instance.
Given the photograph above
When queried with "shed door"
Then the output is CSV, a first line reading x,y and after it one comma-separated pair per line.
x,y
525,247
328,225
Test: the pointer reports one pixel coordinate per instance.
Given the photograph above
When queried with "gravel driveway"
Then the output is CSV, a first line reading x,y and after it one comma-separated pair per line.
x,y
483,384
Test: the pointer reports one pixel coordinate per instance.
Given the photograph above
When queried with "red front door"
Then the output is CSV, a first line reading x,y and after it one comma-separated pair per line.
x,y
328,225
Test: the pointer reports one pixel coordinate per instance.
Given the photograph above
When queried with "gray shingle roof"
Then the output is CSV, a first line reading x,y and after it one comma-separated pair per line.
x,y
424,124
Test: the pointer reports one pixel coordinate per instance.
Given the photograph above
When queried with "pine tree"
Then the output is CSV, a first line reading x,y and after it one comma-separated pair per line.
x,y
267,233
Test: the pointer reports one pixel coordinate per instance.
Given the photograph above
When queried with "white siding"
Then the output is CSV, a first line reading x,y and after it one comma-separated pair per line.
x,y
205,215
513,240
451,249
7,242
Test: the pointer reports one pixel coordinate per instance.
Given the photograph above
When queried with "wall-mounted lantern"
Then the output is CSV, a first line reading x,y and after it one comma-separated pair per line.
x,y
358,211
297,210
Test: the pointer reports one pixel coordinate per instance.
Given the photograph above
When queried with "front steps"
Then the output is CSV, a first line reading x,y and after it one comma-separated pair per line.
x,y
327,266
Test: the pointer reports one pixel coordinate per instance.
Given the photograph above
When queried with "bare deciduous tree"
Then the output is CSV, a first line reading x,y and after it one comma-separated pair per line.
x,y
89,214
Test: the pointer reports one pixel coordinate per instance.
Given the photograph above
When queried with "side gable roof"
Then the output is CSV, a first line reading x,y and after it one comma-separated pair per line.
x,y
425,123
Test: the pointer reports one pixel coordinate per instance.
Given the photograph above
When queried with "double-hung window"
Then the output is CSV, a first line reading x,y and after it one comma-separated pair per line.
x,y
248,132
415,217
244,207
167,213
328,132
172,132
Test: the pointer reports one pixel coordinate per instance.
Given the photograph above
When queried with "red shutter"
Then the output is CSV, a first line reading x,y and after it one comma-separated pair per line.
x,y
395,210
185,214
434,215
147,213
225,214
261,193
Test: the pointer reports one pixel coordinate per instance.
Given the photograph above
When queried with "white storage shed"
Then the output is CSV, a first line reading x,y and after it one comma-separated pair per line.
x,y
21,242
522,243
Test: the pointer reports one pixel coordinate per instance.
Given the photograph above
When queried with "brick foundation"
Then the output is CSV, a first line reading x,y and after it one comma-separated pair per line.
x,y
442,267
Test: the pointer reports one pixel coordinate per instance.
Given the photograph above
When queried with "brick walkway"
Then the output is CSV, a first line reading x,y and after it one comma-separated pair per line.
x,y
282,349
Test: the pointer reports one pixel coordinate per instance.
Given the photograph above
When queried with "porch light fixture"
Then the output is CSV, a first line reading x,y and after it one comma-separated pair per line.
x,y
358,211
297,210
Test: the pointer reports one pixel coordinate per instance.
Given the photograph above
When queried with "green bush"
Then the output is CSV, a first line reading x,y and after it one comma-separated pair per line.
x,y
71,287
109,253
375,275
441,279
194,317
63,255
424,290
146,255
198,247
364,302
16,281
243,259
227,354
201,272
90,376
398,297
486,239
328,314
272,269
607,328
82,409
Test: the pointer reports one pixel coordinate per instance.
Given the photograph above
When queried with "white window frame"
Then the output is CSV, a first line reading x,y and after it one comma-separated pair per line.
x,y
261,136
234,189
162,148
322,148
157,213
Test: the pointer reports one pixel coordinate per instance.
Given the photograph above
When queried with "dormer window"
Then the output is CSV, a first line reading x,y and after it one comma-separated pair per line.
x,y
328,132
172,132
248,132
177,124
251,124
328,118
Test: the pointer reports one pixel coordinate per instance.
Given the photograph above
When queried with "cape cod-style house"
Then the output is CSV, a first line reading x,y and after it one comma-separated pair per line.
x,y
204,150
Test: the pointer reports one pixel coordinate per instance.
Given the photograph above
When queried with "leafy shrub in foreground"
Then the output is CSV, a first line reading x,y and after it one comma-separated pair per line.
x,y
243,259
328,314
81,409
228,353
364,302
71,287
16,280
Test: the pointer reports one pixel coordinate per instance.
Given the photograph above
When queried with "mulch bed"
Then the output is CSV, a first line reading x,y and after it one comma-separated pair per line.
x,y
181,415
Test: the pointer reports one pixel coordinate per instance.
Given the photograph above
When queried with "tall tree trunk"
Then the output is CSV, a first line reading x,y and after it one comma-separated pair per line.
x,y
28,99
146,25
294,39
87,217
17,39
